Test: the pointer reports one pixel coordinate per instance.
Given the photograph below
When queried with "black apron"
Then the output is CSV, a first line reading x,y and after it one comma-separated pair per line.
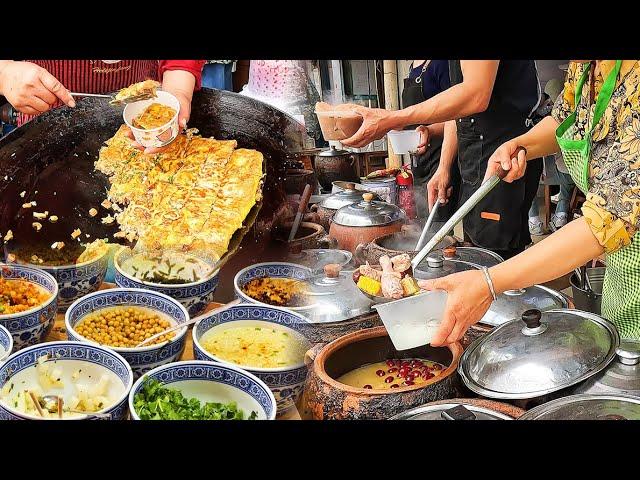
x,y
500,221
425,165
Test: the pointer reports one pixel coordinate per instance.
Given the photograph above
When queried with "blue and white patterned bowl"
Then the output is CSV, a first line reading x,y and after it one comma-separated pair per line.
x,y
32,326
224,383
286,383
6,344
141,359
69,351
274,270
75,281
194,296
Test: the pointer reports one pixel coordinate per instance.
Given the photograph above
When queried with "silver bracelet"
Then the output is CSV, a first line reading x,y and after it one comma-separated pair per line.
x,y
485,270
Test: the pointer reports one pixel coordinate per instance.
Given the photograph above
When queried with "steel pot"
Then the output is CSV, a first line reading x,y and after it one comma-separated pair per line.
x,y
622,376
539,356
326,398
330,205
462,409
362,222
333,164
587,407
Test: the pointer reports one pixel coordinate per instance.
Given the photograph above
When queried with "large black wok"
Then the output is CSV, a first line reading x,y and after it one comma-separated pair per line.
x,y
54,155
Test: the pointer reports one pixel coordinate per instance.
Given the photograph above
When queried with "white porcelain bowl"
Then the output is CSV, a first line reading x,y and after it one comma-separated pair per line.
x,y
287,382
195,296
141,359
94,360
213,382
32,326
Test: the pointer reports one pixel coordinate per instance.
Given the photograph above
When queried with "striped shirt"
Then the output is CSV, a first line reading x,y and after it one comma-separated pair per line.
x,y
99,76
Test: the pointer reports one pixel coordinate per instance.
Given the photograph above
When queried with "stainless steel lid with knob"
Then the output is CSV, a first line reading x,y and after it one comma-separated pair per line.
x,y
368,212
451,411
622,376
441,263
317,258
346,197
511,304
336,297
587,407
333,152
538,354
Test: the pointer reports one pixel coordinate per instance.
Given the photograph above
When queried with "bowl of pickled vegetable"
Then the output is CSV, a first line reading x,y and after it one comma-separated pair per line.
x,y
121,318
28,303
201,390
189,278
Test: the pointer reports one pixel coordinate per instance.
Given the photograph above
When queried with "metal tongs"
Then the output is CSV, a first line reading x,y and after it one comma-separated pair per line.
x,y
473,200
113,101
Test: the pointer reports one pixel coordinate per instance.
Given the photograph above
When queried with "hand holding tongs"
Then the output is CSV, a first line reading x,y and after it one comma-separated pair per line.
x,y
478,195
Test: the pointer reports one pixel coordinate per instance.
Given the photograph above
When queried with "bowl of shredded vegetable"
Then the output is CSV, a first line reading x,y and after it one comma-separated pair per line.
x,y
200,390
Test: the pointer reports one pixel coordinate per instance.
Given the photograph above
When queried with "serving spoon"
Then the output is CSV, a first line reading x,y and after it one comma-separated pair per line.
x,y
59,401
112,100
190,322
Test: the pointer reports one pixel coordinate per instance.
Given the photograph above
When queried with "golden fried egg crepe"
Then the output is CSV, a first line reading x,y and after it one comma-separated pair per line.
x,y
154,116
140,90
193,196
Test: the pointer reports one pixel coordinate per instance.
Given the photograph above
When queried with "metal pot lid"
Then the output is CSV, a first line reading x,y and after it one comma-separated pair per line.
x,y
333,152
346,197
540,353
317,258
337,298
621,376
511,304
451,411
368,212
441,263
378,180
587,407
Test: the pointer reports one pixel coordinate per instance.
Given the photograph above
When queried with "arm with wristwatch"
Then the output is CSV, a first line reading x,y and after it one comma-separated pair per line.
x,y
470,293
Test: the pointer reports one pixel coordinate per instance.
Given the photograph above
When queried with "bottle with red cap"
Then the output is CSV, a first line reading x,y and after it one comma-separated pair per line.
x,y
406,200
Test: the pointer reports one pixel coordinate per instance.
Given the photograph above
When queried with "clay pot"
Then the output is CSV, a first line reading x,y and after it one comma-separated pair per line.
x,y
324,210
309,235
296,179
327,399
325,332
394,244
332,164
350,237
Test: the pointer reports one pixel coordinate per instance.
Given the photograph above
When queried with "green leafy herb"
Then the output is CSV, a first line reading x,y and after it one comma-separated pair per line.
x,y
157,402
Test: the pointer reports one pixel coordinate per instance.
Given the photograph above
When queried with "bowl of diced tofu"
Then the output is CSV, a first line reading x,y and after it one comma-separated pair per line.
x,y
86,382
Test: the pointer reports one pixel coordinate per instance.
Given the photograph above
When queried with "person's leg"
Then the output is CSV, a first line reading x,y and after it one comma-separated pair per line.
x,y
213,76
561,215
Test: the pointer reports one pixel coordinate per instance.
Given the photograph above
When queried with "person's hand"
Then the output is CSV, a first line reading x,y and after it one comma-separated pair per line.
x,y
373,126
438,188
180,84
468,299
31,89
506,158
424,138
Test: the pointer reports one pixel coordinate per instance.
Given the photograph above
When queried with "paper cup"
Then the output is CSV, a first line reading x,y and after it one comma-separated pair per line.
x,y
404,141
338,125
155,137
412,321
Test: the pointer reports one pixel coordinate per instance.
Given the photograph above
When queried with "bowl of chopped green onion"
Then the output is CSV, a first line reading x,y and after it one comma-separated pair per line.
x,y
200,390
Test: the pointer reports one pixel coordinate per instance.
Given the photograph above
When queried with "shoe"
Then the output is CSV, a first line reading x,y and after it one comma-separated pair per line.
x,y
558,220
535,226
555,198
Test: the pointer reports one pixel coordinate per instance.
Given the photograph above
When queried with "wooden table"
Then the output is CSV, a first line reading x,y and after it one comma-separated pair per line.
x,y
59,332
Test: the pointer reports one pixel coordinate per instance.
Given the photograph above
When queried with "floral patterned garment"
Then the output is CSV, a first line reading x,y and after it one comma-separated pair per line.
x,y
612,208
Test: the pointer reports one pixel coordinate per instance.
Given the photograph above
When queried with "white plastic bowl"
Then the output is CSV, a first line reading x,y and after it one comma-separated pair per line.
x,y
404,141
411,322
155,137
